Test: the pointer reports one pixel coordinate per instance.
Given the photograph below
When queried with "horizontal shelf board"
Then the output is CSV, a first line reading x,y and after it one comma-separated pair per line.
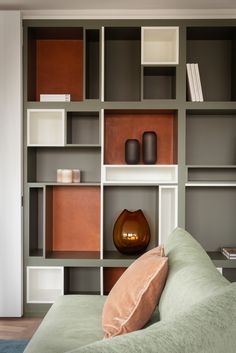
x,y
228,166
41,184
86,105
220,260
219,106
83,293
73,255
211,184
83,145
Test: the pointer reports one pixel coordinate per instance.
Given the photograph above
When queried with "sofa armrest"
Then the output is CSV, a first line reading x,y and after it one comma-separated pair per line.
x,y
207,327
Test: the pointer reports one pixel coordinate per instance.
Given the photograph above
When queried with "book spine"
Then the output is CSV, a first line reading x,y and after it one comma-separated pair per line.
x,y
54,97
199,83
190,83
195,86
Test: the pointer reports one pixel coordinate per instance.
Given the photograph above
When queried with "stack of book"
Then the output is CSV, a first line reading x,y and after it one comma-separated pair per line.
x,y
230,253
194,83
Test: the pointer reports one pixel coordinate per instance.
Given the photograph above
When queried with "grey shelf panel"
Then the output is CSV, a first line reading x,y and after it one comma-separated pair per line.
x,y
220,260
202,166
90,145
211,106
82,255
86,105
33,185
39,261
116,255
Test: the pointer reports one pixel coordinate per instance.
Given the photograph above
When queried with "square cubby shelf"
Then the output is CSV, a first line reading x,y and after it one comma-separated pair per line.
x,y
159,82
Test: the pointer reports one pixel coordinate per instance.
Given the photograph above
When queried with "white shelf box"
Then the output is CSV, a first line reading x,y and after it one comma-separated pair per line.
x,y
140,174
160,45
168,211
46,127
44,284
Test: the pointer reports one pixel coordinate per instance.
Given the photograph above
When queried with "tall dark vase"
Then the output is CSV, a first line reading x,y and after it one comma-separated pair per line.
x,y
149,143
132,151
131,233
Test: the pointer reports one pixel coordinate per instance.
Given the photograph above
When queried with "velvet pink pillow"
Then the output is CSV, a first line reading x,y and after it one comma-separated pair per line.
x,y
135,295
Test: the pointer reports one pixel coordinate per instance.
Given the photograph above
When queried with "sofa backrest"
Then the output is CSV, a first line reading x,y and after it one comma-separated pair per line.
x,y
192,275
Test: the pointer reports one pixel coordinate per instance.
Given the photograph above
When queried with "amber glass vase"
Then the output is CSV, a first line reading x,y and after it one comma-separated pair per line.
x,y
131,233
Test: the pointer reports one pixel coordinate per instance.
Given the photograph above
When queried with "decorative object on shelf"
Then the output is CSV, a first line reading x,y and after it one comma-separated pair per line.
x,y
66,176
76,176
131,233
59,175
149,143
229,252
132,151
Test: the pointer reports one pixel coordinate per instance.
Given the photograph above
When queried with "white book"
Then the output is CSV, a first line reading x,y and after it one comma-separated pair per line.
x,y
54,97
199,83
195,85
192,94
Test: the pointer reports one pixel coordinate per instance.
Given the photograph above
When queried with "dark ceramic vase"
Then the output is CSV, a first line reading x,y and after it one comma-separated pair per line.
x,y
131,233
132,151
149,143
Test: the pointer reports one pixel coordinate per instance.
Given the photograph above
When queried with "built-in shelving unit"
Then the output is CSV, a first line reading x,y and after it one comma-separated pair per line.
x,y
124,78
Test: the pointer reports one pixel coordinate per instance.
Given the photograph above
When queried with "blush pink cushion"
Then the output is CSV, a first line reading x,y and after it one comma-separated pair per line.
x,y
135,295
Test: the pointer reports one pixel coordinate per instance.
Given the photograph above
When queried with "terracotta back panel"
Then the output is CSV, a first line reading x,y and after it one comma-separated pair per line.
x,y
59,67
122,126
76,219
111,276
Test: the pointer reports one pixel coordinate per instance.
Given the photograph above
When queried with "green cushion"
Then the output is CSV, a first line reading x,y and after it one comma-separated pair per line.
x,y
192,275
73,321
208,326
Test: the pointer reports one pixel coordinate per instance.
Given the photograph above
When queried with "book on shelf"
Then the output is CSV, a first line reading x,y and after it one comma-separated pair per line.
x,y
54,97
194,83
229,252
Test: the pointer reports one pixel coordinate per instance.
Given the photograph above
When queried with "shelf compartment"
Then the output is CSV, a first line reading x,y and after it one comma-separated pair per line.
x,y
45,127
210,215
44,284
92,64
143,174
210,138
213,48
55,62
110,277
159,82
82,280
132,198
36,221
72,219
122,63
83,128
120,125
168,211
212,174
160,45
43,163
230,274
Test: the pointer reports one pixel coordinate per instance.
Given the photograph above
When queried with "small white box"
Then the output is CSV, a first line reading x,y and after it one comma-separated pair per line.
x,y
46,127
44,284
54,97
160,45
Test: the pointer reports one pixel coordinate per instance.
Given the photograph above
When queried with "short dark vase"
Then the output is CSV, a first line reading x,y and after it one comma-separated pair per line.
x,y
131,233
132,151
149,143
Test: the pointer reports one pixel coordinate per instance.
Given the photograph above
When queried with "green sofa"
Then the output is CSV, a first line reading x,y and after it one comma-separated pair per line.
x,y
196,313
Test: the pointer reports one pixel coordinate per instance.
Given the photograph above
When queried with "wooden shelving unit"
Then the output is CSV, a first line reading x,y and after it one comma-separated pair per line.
x,y
124,78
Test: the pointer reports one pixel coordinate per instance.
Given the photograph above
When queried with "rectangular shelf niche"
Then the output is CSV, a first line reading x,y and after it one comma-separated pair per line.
x,y
122,63
44,284
210,216
82,280
36,221
127,124
132,198
214,49
55,62
210,138
83,128
73,222
110,277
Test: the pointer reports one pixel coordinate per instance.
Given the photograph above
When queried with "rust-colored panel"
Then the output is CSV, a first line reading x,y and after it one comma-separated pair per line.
x,y
122,126
76,218
111,276
59,67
